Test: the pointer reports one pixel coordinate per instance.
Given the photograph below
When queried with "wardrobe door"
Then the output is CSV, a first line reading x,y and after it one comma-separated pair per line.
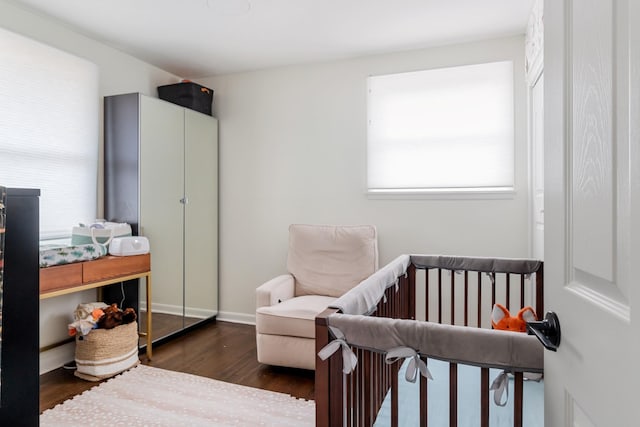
x,y
201,216
161,209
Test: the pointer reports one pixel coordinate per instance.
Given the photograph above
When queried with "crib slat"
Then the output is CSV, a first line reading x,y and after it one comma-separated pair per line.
x,y
355,394
374,373
484,397
411,297
359,396
508,291
407,296
453,394
453,297
394,394
493,289
384,376
363,391
384,385
393,309
439,295
400,292
521,290
346,406
426,296
353,379
410,292
383,307
401,309
366,388
362,398
424,410
518,385
479,300
466,298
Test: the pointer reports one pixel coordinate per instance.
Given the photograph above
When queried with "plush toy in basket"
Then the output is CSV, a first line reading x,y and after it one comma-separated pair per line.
x,y
109,346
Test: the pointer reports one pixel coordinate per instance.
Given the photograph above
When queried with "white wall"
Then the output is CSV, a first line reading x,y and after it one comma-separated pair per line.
x,y
119,73
292,150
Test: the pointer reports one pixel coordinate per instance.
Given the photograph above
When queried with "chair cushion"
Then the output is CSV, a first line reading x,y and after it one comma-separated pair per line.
x,y
294,317
330,260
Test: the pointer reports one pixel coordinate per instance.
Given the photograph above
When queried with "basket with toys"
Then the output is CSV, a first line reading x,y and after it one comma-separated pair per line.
x,y
106,340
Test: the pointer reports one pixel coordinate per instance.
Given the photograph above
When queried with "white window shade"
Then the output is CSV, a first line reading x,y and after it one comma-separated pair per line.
x,y
447,129
49,130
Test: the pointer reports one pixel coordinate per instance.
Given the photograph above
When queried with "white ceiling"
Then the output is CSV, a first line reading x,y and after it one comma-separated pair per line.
x,y
198,38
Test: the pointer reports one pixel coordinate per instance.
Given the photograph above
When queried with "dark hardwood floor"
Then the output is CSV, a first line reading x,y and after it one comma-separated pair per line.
x,y
164,324
220,350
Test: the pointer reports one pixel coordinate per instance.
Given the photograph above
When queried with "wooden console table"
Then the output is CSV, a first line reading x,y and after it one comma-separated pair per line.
x,y
69,278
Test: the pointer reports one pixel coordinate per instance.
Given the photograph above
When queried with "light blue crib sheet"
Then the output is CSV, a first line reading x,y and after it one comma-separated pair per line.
x,y
468,400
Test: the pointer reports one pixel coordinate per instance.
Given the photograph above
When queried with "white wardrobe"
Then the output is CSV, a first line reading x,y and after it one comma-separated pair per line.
x,y
161,176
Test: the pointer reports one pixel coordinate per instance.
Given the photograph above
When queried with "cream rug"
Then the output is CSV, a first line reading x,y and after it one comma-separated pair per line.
x,y
146,396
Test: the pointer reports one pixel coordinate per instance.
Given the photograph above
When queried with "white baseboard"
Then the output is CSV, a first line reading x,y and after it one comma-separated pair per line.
x,y
57,357
199,313
226,316
176,310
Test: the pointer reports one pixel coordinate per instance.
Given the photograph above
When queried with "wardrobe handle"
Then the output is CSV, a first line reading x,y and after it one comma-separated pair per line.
x,y
184,200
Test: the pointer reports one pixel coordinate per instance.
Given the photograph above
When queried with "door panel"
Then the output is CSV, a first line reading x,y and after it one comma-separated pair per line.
x,y
592,141
201,211
537,151
591,210
161,213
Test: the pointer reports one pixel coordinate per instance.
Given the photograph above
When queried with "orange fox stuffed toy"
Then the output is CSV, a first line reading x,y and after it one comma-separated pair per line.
x,y
502,319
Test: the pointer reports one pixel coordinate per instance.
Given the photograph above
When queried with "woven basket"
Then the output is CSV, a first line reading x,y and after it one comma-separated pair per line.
x,y
104,353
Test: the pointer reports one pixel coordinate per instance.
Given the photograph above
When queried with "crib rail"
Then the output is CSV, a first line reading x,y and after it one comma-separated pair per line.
x,y
364,390
452,293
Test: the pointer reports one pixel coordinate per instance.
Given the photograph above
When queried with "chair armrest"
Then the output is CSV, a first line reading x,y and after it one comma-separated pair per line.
x,y
275,290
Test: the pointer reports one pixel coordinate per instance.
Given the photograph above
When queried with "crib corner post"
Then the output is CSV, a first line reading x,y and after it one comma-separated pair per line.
x,y
328,378
411,275
540,291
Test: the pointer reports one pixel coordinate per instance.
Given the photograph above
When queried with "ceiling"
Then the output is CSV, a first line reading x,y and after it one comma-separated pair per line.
x,y
199,38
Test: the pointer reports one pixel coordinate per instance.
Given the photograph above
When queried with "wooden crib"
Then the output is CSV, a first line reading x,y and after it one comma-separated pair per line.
x,y
459,291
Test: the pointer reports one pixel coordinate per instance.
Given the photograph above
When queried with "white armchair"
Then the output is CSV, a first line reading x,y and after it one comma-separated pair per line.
x,y
323,262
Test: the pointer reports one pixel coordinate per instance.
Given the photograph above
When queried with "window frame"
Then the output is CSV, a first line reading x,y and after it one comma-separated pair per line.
x,y
451,192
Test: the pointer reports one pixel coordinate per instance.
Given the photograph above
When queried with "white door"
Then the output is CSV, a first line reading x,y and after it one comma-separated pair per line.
x,y
592,207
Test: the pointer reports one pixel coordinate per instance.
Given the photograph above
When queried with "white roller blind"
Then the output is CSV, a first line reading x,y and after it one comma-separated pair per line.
x,y
49,130
442,129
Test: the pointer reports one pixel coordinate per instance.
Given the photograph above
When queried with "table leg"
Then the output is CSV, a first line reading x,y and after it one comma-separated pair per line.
x,y
149,335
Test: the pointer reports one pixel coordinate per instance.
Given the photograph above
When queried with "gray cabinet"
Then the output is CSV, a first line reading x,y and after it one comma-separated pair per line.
x,y
161,176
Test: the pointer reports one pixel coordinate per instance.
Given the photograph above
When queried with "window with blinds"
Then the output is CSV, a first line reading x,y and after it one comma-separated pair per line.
x,y
49,108
447,130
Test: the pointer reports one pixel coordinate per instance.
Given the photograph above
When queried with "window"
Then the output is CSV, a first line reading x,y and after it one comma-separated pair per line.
x,y
49,130
447,130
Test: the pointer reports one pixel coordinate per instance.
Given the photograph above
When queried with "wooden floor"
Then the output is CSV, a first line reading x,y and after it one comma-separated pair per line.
x,y
220,350
164,324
